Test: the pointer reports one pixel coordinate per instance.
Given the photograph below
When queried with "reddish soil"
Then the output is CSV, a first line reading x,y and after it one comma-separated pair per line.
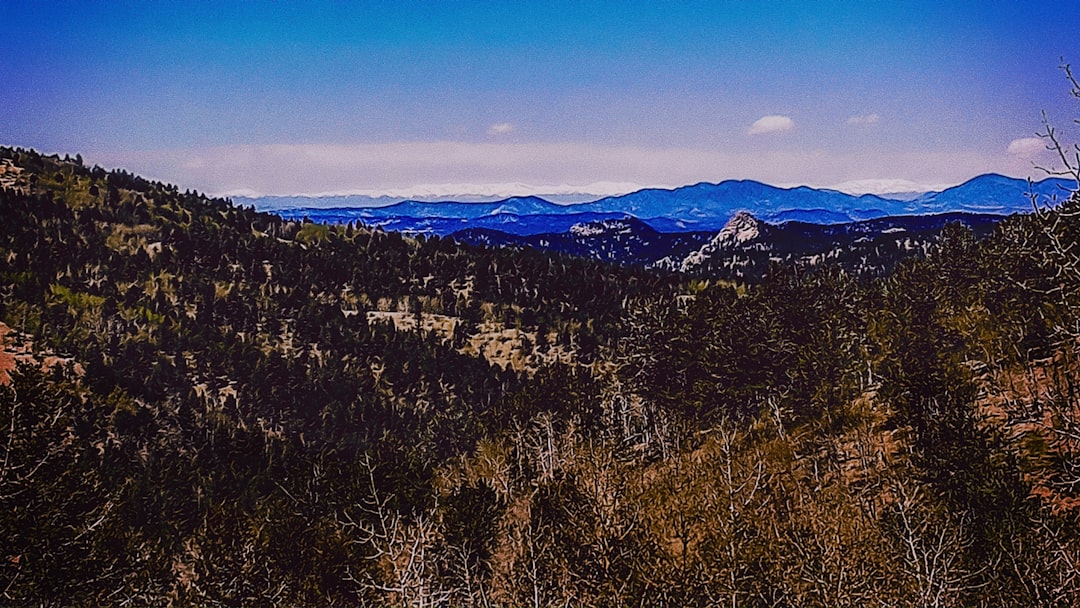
x,y
13,350
7,356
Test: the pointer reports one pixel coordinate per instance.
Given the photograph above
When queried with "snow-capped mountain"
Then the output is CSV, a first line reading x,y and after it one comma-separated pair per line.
x,y
700,207
526,205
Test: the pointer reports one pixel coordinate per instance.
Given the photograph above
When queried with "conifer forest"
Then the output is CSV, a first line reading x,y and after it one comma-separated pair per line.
x,y
205,405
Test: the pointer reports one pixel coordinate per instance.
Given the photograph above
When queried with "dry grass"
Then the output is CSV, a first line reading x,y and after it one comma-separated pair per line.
x,y
493,341
442,325
9,175
15,349
1035,408
7,355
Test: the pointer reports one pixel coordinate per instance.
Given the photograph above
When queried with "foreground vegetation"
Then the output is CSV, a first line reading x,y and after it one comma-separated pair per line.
x,y
204,412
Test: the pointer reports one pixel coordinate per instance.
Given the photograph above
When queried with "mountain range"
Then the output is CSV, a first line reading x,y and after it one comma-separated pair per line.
x,y
698,207
205,405
745,247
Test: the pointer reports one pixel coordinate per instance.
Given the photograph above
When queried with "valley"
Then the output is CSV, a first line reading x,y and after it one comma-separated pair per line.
x,y
678,229
205,404
699,207
539,304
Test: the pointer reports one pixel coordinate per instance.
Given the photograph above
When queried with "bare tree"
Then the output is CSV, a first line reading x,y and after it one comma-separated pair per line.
x,y
404,551
933,545
1069,156
1059,225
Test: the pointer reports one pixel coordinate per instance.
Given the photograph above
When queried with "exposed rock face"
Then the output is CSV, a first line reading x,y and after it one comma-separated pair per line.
x,y
742,228
588,229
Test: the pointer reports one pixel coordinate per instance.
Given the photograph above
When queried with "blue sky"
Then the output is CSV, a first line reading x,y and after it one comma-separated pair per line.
x,y
405,97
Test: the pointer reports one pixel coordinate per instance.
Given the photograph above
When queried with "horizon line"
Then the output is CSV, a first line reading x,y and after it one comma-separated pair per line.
x,y
435,193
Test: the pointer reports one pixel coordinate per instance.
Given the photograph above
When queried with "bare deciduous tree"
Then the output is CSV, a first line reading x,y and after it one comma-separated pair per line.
x,y
933,545
404,550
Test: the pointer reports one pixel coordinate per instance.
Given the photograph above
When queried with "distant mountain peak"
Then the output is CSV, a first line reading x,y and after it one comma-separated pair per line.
x,y
741,228
702,207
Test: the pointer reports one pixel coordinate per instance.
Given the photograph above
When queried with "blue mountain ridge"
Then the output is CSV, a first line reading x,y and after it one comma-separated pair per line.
x,y
868,246
509,223
698,207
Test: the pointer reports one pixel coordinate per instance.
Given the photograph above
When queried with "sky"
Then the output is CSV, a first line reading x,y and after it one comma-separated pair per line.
x,y
399,97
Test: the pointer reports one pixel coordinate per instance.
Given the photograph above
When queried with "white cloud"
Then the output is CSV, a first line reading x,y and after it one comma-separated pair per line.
x,y
1027,147
462,192
864,120
403,166
501,128
771,124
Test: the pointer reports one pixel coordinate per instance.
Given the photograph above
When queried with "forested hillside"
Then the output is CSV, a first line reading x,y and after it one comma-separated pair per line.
x,y
746,249
205,405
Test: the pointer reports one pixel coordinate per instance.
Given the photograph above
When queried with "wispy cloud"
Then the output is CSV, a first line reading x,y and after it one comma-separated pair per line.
x,y
500,128
864,120
396,166
466,192
1027,147
771,124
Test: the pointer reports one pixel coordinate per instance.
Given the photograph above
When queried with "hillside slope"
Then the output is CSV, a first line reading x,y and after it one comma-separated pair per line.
x,y
220,407
745,248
